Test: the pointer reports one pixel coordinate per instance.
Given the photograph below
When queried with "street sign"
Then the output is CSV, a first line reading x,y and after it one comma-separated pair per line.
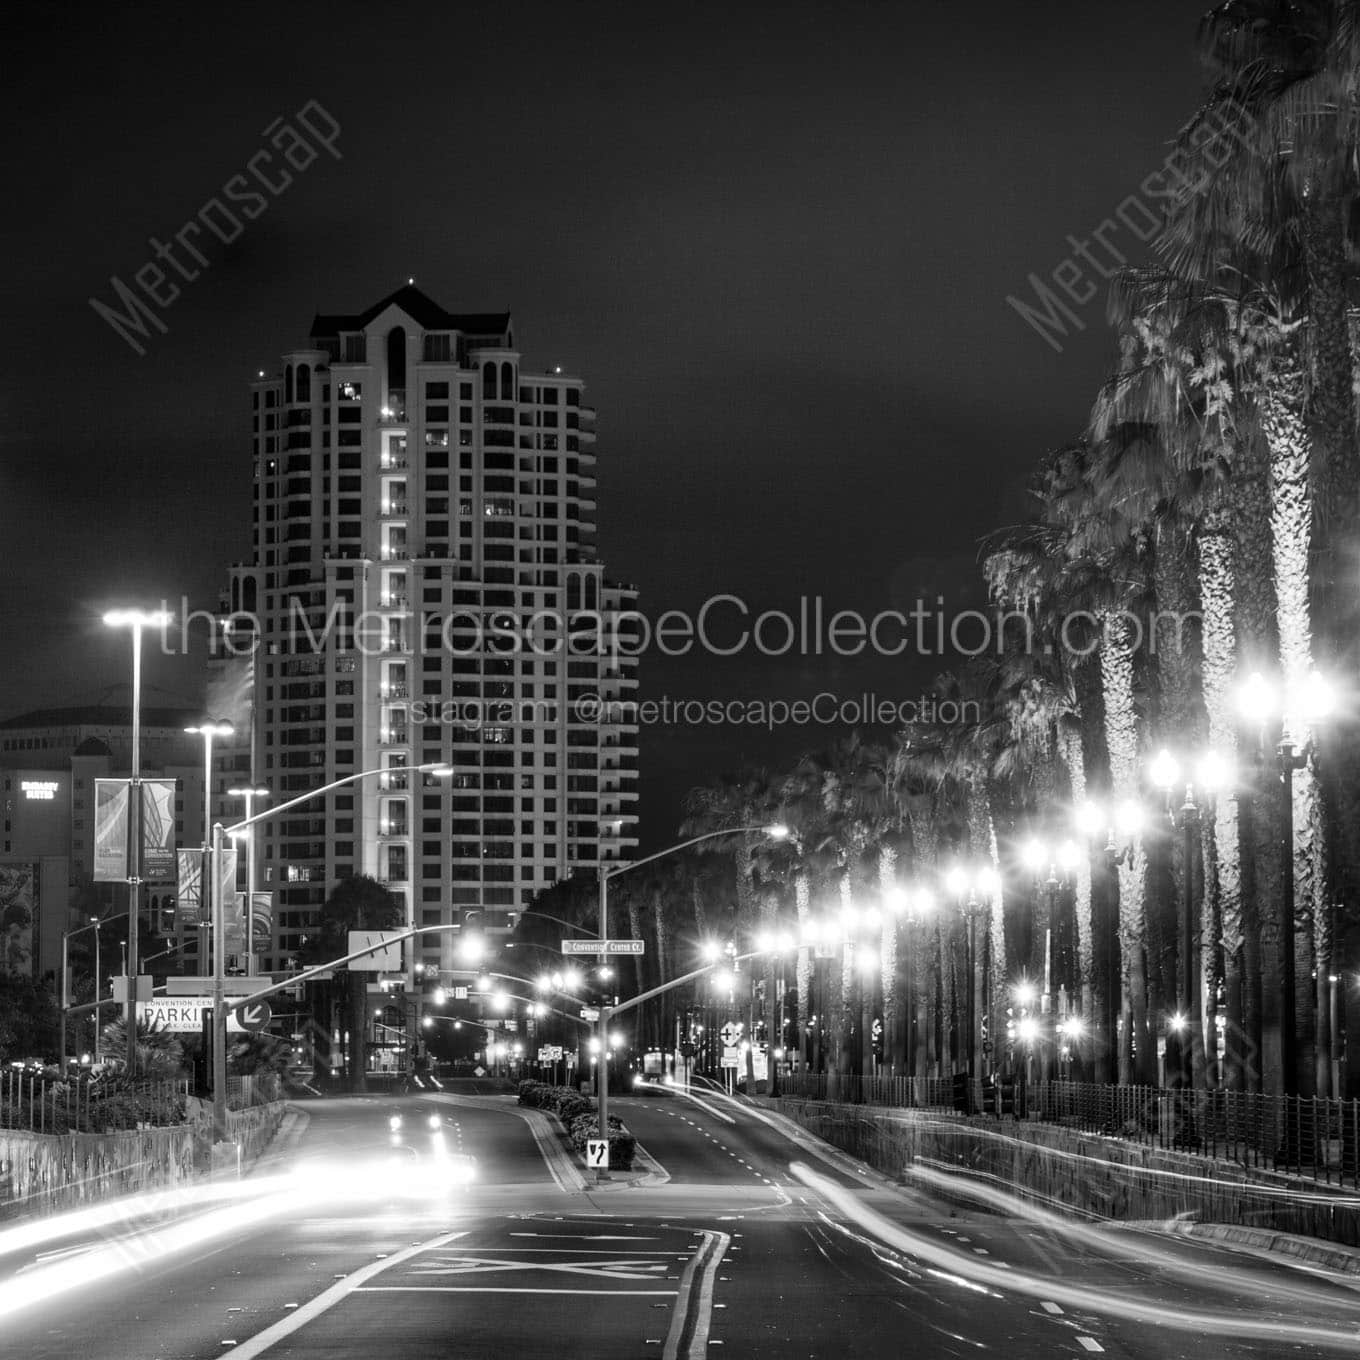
x,y
731,1056
384,960
604,946
590,1013
183,1014
550,1053
597,1154
731,1033
255,1016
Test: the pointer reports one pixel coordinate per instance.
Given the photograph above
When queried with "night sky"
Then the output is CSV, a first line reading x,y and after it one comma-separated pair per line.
x,y
775,240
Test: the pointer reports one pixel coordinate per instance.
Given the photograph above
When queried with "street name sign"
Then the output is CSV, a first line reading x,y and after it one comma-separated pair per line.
x,y
202,986
597,1154
184,1014
590,1013
604,946
384,960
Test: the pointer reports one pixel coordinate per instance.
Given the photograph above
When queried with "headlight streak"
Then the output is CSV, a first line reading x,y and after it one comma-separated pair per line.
x,y
1155,1313
309,1189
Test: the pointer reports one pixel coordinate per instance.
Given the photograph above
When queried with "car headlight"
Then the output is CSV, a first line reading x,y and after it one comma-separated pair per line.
x,y
434,1122
394,1123
637,1078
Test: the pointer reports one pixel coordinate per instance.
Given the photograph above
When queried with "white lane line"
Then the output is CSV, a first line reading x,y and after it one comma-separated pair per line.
x,y
1051,1308
1090,1343
337,1293
488,1289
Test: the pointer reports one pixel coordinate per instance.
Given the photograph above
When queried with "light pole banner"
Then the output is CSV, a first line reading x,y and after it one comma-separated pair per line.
x,y
226,878
158,829
262,921
189,897
111,830
234,922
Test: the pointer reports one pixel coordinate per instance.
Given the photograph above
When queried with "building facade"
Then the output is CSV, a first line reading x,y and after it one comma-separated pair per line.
x,y
425,587
49,761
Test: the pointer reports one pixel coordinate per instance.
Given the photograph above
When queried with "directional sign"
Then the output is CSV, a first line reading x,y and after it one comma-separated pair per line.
x,y
183,1014
255,1016
597,1154
604,946
550,1053
590,1013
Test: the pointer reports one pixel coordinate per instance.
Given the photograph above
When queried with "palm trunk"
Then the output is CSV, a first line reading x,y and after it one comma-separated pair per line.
x,y
1137,1059
1073,758
802,896
890,970
1291,519
1223,874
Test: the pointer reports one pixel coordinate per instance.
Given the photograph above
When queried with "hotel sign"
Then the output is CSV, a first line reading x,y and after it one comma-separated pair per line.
x,y
39,790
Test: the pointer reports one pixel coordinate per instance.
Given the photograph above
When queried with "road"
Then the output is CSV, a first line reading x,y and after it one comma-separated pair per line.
x,y
738,1235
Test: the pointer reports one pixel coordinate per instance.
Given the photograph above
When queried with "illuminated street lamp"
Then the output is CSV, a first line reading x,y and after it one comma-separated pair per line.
x,y
973,889
250,794
138,620
1212,773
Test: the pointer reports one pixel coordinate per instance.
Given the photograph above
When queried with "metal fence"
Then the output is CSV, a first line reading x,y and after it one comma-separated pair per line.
x,y
35,1102
1297,1135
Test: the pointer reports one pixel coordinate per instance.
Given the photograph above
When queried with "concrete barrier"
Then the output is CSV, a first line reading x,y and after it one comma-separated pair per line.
x,y
1083,1175
44,1173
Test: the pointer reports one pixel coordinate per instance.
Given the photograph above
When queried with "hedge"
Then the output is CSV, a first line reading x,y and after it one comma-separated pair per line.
x,y
581,1120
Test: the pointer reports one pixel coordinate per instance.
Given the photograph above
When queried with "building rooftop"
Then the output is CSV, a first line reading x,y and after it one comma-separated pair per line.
x,y
101,715
421,309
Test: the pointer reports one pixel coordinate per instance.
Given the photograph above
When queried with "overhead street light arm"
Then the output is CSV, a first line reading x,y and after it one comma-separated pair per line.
x,y
335,784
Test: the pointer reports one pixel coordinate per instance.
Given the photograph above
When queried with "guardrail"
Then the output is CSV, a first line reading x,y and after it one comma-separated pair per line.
x,y
1298,1135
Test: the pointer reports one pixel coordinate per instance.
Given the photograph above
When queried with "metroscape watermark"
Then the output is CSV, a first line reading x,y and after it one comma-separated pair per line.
x,y
1212,140
159,284
826,709
724,626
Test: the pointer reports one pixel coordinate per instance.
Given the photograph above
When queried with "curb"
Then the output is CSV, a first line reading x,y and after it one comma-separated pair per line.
x,y
1308,1250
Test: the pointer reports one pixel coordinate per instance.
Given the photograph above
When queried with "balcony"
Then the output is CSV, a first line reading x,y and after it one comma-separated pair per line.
x,y
398,736
394,781
401,691
395,510
394,602
393,412
394,463
396,555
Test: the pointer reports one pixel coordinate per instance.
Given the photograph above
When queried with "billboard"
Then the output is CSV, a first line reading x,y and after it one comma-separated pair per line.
x,y
18,901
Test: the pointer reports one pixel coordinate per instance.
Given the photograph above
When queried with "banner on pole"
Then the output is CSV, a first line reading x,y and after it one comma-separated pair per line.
x,y
234,922
158,829
262,921
110,830
189,897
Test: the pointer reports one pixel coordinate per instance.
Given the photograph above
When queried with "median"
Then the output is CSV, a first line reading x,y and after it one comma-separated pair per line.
x,y
581,1120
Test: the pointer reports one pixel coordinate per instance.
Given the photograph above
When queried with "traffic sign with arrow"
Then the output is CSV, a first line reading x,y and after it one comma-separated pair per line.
x,y
255,1016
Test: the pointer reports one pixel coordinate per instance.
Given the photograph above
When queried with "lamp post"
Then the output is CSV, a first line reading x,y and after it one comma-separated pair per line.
x,y
775,832
137,620
1052,868
217,924
95,923
217,909
1262,703
250,794
973,889
912,906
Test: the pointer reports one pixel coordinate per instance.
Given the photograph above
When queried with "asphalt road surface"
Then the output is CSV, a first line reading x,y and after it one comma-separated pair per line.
x,y
737,1235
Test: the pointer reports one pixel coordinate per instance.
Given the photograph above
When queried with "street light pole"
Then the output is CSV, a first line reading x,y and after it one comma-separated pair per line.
x,y
777,832
137,620
250,794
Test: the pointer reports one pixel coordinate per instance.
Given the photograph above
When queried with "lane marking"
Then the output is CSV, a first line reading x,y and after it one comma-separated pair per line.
x,y
486,1289
1090,1343
1049,1307
337,1293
